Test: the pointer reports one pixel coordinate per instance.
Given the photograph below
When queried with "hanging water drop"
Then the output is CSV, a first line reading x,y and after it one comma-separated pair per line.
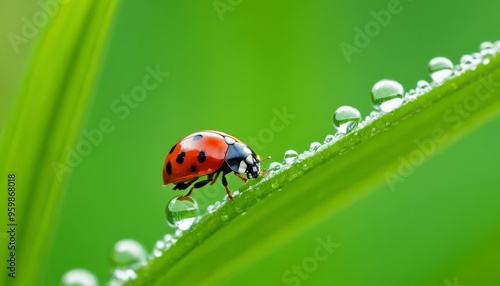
x,y
290,156
346,118
79,277
181,212
387,95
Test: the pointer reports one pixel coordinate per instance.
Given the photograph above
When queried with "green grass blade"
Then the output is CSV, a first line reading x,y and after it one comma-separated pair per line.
x,y
50,110
320,185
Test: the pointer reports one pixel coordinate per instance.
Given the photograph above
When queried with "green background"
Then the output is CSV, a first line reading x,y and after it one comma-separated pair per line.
x,y
230,75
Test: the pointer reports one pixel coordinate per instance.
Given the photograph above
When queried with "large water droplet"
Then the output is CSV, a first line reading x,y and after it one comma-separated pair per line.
x,y
79,277
290,156
440,68
181,212
346,118
387,95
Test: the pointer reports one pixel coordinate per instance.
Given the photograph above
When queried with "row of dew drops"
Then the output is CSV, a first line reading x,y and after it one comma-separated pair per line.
x,y
386,95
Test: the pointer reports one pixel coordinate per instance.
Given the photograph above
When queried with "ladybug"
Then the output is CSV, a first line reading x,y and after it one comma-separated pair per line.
x,y
209,153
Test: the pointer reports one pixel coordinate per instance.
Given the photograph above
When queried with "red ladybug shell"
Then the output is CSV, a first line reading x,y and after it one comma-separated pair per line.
x,y
195,155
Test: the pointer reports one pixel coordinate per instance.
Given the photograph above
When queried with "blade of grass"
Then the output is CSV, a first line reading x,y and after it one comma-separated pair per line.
x,y
320,185
47,119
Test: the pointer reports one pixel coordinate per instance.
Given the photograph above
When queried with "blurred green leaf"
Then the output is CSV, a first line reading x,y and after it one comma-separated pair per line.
x,y
46,122
325,183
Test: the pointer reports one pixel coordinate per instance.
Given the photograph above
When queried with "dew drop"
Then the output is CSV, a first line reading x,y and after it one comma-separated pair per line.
x,y
314,146
374,114
497,46
412,94
487,51
423,86
168,238
123,275
290,156
346,118
224,217
181,212
128,253
79,277
275,167
440,68
160,244
210,209
329,138
466,62
178,232
387,95
476,59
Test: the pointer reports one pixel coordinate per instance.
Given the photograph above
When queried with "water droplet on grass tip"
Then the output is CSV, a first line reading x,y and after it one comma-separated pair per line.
x,y
181,212
79,277
387,95
346,118
290,156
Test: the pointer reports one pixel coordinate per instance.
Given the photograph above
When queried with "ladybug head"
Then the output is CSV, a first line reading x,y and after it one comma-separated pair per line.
x,y
242,160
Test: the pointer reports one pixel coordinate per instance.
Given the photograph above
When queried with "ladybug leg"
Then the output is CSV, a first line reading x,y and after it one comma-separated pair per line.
x,y
241,177
184,185
228,191
215,178
199,184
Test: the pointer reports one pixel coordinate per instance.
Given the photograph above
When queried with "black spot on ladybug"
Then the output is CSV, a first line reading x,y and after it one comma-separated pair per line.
x,y
197,137
193,168
201,157
180,157
169,168
172,150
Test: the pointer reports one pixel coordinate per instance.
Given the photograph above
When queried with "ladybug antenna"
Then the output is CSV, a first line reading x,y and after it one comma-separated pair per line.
x,y
267,158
